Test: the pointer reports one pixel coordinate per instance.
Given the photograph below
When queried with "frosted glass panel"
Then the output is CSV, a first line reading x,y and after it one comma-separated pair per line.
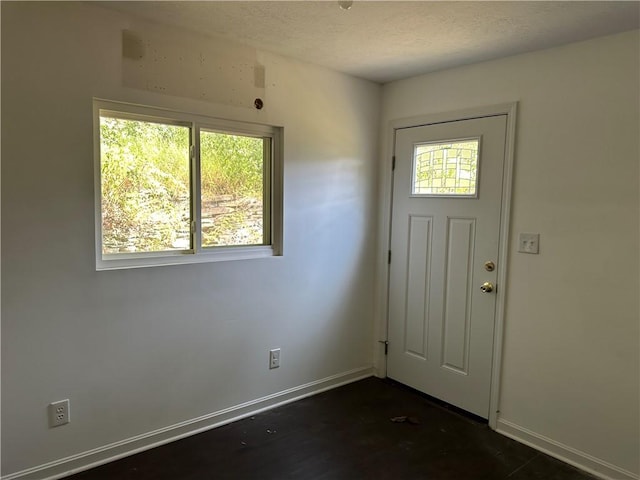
x,y
446,168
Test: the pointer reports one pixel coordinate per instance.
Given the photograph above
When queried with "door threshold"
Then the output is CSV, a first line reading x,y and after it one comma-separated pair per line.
x,y
439,403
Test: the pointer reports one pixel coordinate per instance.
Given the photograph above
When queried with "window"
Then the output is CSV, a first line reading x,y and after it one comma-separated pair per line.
x,y
179,188
446,168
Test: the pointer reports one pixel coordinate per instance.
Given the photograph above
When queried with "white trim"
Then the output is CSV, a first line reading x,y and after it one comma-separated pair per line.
x,y
577,458
99,456
187,257
503,254
510,110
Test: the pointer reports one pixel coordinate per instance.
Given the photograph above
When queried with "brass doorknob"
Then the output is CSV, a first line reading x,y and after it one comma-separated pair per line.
x,y
486,287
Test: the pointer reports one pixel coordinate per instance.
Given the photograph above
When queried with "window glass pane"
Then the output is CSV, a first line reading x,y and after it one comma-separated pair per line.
x,y
144,169
447,168
232,189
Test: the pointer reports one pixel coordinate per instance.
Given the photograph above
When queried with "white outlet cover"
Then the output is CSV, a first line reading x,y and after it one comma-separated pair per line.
x,y
59,413
529,243
274,358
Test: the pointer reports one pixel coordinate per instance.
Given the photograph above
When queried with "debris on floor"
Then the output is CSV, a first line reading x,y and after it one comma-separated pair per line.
x,y
405,419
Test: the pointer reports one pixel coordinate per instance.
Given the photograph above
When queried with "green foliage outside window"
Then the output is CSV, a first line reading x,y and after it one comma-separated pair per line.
x,y
146,187
232,189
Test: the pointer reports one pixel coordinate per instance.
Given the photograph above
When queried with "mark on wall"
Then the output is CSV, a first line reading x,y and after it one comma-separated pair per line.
x,y
258,75
132,45
185,64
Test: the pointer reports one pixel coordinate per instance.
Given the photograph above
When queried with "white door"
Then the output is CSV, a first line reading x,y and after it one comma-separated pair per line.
x,y
445,224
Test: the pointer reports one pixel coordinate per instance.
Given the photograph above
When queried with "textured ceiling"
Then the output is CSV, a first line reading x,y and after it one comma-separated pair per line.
x,y
388,40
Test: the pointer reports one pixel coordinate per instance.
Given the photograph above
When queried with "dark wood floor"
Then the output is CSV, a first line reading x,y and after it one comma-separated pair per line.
x,y
346,433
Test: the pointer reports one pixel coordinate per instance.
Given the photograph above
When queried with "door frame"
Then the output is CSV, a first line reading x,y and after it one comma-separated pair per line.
x,y
386,183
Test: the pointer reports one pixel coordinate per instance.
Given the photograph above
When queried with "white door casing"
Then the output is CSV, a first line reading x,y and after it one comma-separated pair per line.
x,y
440,324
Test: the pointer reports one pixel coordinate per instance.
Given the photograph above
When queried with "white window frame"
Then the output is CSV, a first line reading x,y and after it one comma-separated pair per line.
x,y
273,189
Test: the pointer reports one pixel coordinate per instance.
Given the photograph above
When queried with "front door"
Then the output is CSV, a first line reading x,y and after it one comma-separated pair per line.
x,y
445,225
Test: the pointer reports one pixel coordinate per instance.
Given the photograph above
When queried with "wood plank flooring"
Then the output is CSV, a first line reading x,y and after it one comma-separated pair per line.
x,y
345,434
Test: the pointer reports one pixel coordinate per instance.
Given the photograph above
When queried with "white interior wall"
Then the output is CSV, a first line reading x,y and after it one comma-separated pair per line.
x,y
570,378
142,349
139,350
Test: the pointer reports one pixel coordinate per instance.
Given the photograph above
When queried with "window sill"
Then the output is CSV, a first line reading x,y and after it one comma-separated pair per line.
x,y
126,261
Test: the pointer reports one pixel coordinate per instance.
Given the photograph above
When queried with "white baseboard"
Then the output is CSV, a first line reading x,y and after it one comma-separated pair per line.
x,y
108,453
581,460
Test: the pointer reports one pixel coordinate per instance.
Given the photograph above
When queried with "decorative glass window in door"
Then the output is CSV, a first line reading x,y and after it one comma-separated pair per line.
x,y
446,168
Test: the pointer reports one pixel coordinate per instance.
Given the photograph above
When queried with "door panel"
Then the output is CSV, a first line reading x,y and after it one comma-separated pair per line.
x,y
419,256
440,322
457,292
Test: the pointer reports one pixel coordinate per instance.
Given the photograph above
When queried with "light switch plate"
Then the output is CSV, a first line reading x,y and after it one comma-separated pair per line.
x,y
529,243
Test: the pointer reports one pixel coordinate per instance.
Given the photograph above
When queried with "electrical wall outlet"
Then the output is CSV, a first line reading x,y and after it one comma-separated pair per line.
x,y
274,358
529,243
59,413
